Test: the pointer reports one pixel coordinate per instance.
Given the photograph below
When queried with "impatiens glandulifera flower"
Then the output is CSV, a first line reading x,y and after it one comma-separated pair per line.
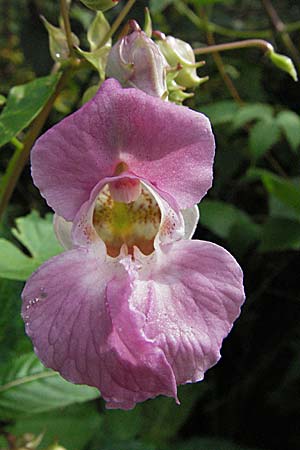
x,y
136,61
133,306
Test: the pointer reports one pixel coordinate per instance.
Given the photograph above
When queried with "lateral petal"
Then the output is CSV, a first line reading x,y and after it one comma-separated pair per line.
x,y
194,294
77,311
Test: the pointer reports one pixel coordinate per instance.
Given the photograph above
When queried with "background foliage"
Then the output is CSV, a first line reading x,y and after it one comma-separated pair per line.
x,y
250,400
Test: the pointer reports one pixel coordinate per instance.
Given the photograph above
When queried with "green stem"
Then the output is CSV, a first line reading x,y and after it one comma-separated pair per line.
x,y
64,10
182,8
264,45
21,154
117,22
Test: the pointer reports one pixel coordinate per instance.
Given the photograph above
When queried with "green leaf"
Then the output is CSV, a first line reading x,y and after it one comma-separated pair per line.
x,y
220,217
26,386
283,189
23,104
263,135
280,234
72,426
290,124
253,111
14,265
13,341
220,112
37,235
157,6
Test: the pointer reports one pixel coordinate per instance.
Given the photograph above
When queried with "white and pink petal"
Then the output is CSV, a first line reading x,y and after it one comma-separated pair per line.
x,y
190,293
77,312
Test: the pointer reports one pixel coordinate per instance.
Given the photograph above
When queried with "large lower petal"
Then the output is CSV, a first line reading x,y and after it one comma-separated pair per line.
x,y
190,294
77,314
169,146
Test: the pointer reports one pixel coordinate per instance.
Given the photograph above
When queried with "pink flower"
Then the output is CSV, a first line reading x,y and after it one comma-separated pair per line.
x,y
133,307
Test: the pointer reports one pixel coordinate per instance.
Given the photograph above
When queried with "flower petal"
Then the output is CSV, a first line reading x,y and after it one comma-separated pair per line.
x,y
63,230
191,219
169,146
77,313
194,293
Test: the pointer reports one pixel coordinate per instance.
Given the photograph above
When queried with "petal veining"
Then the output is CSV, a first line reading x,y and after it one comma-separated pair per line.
x,y
77,312
194,293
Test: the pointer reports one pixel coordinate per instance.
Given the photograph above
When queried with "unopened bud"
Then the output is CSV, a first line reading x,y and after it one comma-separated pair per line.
x,y
180,53
100,5
136,61
283,62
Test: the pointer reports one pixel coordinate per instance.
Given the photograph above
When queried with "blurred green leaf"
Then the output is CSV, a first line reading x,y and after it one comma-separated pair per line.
x,y
157,6
3,443
283,189
37,235
290,124
253,111
220,218
220,112
2,100
26,386
13,341
208,444
23,104
162,418
72,426
280,234
263,135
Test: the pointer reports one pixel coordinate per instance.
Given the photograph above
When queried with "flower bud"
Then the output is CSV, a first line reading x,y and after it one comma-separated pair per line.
x,y
180,53
136,61
284,63
58,44
100,5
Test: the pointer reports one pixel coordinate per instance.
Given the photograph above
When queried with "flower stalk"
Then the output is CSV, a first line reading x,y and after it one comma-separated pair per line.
x,y
260,43
117,22
64,10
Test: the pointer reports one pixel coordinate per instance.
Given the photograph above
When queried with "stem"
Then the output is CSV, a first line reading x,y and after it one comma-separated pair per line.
x,y
182,8
264,45
282,31
22,151
117,22
219,62
64,10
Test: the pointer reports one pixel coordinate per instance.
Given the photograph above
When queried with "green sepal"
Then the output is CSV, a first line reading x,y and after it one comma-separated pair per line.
x,y
58,44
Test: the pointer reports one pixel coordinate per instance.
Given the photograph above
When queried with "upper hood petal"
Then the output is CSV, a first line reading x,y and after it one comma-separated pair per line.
x,y
169,146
